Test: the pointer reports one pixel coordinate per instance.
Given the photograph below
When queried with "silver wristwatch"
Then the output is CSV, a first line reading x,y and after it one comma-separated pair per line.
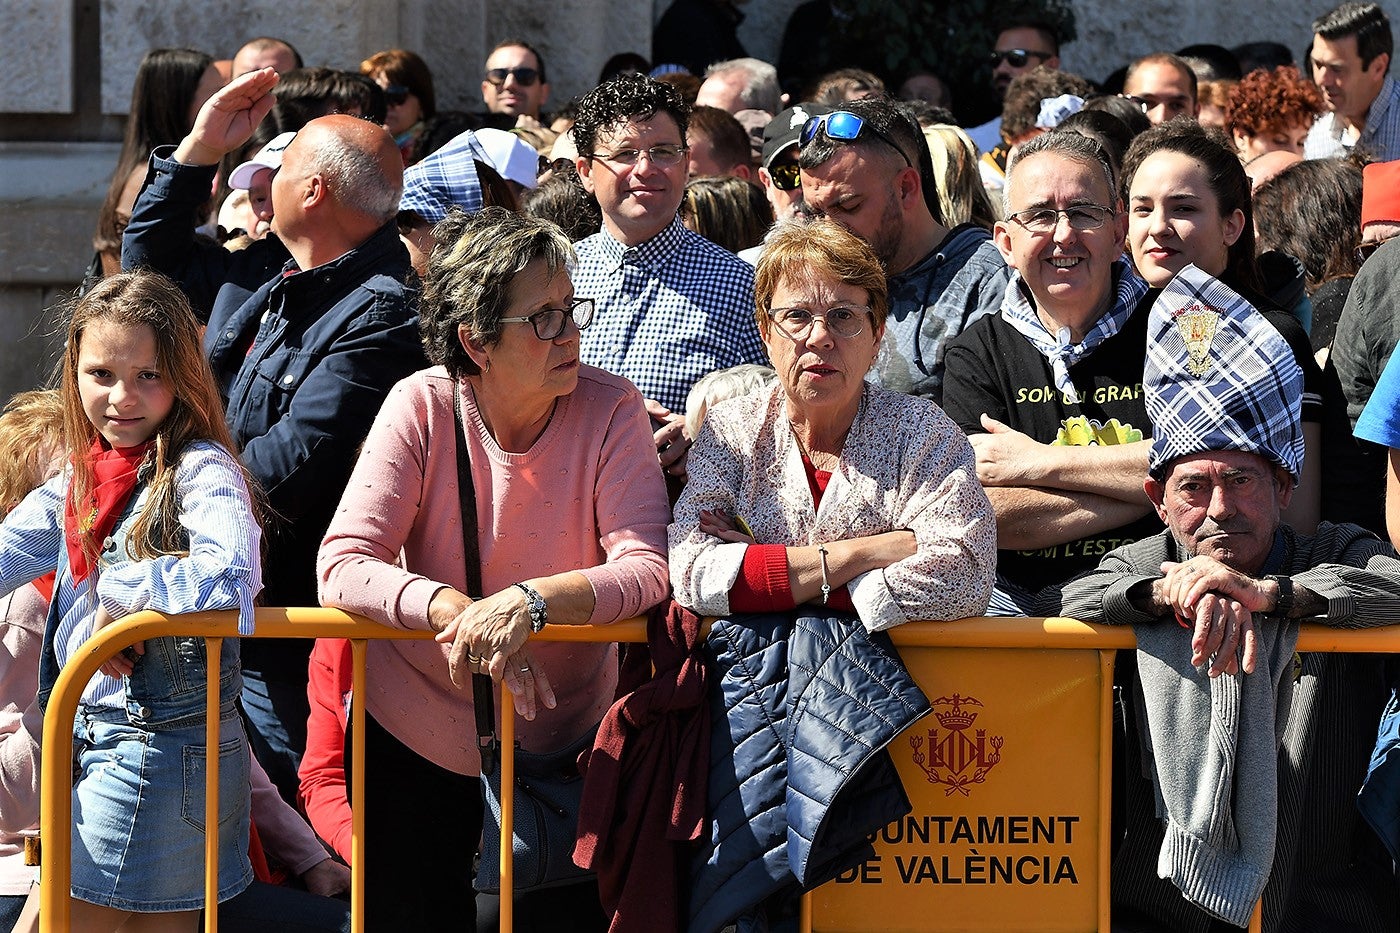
x,y
535,605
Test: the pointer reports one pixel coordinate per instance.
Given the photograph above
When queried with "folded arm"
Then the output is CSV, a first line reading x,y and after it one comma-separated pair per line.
x,y
1030,518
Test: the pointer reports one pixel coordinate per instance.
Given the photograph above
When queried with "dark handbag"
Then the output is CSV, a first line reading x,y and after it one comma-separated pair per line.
x,y
548,791
548,787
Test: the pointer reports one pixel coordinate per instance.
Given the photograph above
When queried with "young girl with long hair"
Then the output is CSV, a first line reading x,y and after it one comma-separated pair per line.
x,y
152,512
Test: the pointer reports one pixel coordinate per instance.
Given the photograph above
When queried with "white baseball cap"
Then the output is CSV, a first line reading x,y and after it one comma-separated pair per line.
x,y
510,155
269,156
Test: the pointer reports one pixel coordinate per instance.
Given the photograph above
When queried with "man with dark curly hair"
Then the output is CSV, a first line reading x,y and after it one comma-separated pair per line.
x,y
672,306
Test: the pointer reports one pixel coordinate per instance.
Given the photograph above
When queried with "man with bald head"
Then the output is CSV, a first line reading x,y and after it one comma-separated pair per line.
x,y
266,52
308,329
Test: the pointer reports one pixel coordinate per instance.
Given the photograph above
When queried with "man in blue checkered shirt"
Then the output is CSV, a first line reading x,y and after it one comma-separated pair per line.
x,y
672,306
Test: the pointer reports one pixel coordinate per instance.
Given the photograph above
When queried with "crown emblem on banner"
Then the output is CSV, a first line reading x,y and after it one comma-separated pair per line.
x,y
954,757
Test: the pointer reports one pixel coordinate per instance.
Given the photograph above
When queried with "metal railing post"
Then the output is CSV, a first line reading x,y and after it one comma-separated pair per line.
x,y
214,627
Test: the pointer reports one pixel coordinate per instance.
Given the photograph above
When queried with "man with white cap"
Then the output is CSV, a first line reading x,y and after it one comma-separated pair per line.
x,y
1215,601
255,178
516,160
441,181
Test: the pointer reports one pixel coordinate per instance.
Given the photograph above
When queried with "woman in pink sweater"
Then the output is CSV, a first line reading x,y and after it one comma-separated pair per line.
x,y
571,513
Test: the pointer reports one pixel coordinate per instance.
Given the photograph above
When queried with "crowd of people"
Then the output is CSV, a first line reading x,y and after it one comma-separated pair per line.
x,y
715,338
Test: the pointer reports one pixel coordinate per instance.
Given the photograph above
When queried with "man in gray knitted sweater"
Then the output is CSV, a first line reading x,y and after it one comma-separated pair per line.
x,y
1215,602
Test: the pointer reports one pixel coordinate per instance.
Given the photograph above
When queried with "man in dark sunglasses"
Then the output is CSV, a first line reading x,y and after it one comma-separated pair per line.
x,y
513,82
779,173
1020,46
867,167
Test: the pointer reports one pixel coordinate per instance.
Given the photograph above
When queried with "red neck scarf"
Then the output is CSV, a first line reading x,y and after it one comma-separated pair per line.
x,y
114,472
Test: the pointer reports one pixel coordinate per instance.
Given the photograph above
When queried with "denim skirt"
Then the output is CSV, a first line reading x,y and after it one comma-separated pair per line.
x,y
138,813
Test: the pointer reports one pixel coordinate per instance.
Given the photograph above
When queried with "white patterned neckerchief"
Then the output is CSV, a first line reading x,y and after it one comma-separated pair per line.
x,y
1018,310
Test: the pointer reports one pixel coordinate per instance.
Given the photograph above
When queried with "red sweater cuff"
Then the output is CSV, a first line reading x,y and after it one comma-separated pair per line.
x,y
762,584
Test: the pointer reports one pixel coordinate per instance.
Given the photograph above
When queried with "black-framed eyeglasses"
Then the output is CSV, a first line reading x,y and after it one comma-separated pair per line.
x,y
797,323
1366,250
396,94
665,154
787,176
1017,58
549,323
847,127
1047,219
525,77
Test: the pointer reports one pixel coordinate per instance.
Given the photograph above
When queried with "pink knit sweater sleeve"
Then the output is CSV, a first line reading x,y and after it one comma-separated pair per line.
x,y
358,564
632,513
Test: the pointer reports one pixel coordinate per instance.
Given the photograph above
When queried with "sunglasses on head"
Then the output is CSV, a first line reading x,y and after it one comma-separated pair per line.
x,y
523,76
396,94
786,176
847,127
1016,58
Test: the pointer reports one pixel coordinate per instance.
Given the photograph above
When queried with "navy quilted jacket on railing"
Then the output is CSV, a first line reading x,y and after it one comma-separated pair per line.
x,y
803,709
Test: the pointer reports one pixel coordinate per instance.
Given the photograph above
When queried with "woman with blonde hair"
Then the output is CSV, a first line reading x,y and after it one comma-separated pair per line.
x,y
961,194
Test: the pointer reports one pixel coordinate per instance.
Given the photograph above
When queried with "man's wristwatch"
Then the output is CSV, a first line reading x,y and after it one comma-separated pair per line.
x,y
1283,606
535,605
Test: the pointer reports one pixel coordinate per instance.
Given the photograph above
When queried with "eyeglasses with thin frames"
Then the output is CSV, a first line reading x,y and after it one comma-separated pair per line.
x,y
549,322
525,77
1046,219
797,323
666,155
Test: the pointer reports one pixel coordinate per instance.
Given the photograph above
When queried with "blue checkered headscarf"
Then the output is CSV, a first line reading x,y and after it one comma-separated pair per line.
x,y
1219,377
445,179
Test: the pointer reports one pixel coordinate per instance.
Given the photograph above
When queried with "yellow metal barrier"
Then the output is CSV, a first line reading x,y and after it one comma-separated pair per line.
x,y
971,635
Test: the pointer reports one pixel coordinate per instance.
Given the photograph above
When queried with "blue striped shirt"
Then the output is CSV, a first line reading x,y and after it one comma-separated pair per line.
x,y
1380,139
223,569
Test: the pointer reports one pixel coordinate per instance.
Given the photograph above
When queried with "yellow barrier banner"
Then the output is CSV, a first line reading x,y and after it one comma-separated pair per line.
x,y
1006,777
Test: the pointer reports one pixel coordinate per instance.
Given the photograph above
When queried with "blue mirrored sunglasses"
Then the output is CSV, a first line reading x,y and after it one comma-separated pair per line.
x,y
847,127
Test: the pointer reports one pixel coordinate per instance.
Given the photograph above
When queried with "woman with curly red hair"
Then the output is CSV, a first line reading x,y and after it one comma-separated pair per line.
x,y
1272,110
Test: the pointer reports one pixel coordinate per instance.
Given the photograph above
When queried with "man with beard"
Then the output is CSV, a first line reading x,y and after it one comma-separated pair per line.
x,y
868,168
1246,756
1020,46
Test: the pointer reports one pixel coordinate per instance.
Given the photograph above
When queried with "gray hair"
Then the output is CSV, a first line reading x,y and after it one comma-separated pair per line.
x,y
1070,145
761,90
355,178
469,275
719,385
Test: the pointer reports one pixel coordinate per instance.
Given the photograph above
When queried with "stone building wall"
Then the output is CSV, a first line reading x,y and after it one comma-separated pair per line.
x,y
70,65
